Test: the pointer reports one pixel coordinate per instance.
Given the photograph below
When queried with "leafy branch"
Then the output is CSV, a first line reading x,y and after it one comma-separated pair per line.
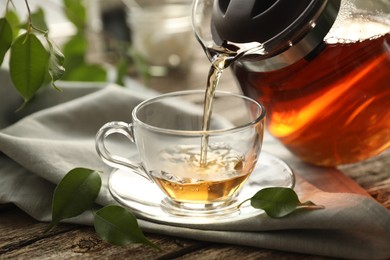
x,y
32,64
36,61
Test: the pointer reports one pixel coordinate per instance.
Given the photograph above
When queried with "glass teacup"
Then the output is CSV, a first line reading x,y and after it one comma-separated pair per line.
x,y
167,131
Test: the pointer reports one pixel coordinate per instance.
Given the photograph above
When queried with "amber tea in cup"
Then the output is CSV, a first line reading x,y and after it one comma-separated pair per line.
x,y
167,131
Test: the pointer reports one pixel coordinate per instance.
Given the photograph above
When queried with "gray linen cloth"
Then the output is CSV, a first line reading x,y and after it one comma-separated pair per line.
x,y
56,133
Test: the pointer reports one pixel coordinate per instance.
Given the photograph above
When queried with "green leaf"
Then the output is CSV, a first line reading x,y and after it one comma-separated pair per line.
x,y
6,38
74,50
13,20
75,194
118,226
278,202
76,13
28,65
87,72
75,46
56,62
76,67
38,20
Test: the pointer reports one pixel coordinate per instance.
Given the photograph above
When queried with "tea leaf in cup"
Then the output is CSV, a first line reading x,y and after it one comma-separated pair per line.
x,y
118,226
75,194
279,202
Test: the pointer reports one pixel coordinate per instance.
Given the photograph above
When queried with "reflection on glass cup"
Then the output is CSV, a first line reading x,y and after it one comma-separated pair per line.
x,y
167,131
162,33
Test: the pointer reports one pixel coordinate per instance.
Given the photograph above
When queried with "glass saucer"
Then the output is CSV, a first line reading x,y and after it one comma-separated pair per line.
x,y
147,201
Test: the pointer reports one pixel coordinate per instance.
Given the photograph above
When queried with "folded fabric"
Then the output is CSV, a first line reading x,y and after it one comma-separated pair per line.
x,y
56,133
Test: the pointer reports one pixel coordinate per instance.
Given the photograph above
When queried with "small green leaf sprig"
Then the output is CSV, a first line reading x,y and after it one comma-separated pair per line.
x,y
118,226
279,202
77,192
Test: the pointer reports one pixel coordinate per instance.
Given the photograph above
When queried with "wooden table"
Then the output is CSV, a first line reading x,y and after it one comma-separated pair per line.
x,y
22,237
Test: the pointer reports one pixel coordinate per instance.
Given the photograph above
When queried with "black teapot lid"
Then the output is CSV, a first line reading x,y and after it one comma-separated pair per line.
x,y
289,30
243,21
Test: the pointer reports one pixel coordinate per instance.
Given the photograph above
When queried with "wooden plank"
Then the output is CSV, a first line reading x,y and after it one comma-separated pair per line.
x,y
373,175
84,243
22,237
18,229
241,252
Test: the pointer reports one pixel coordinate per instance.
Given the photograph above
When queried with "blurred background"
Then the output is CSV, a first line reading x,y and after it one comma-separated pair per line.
x,y
141,38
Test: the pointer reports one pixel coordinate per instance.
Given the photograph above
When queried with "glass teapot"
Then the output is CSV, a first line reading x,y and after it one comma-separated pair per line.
x,y
325,74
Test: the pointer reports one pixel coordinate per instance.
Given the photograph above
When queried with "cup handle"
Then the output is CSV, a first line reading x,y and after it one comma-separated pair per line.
x,y
117,127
